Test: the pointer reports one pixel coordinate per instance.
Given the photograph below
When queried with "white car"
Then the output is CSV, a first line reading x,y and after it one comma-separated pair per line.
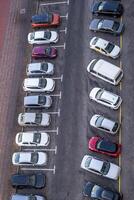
x,y
100,167
29,158
106,98
104,124
40,69
43,37
38,85
32,138
37,101
27,197
34,119
105,47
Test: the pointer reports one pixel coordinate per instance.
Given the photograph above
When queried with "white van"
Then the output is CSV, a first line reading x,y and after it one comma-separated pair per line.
x,y
105,70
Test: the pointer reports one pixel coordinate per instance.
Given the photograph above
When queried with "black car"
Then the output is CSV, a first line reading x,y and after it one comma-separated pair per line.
x,y
28,180
106,26
113,8
97,192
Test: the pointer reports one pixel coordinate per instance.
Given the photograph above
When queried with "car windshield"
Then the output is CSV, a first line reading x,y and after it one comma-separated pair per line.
x,y
101,6
100,24
116,26
105,168
42,100
48,51
32,180
99,93
99,121
17,157
47,34
44,66
87,163
34,157
50,18
20,138
42,83
31,36
37,137
106,146
96,191
38,118
109,47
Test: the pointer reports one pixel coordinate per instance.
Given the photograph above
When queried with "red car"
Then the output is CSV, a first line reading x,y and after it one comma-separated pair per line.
x,y
45,20
104,146
44,52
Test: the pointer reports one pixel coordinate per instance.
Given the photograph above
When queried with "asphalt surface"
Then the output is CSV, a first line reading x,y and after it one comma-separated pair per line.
x,y
74,107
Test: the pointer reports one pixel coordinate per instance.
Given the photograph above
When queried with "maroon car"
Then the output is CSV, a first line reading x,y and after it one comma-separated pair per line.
x,y
44,52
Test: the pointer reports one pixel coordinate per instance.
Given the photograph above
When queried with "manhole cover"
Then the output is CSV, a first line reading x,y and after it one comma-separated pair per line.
x,y
22,11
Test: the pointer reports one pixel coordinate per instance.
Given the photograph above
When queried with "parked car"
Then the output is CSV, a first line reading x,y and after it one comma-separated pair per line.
x,y
32,138
37,180
38,101
34,119
44,52
27,197
38,85
113,8
107,26
40,69
100,167
97,192
104,124
104,146
106,98
105,71
43,37
105,47
45,20
29,158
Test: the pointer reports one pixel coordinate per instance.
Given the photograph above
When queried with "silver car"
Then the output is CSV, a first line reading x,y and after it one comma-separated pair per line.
x,y
40,69
27,197
38,101
104,124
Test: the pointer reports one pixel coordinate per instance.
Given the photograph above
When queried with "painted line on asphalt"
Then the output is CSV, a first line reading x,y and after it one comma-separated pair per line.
x,y
38,169
64,16
42,150
56,95
59,46
63,30
54,3
68,2
58,78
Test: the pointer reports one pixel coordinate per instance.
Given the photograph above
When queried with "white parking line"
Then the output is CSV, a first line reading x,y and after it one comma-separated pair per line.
x,y
57,132
56,95
39,169
64,16
58,46
59,112
43,149
68,2
58,78
63,30
54,3
62,78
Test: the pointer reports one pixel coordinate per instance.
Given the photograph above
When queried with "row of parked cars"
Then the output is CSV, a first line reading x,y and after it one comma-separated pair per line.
x,y
36,85
112,74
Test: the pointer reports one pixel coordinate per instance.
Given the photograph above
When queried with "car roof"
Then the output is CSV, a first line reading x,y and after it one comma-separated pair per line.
x,y
29,117
107,69
109,96
40,18
101,43
20,197
107,123
110,5
39,34
27,137
31,82
31,100
25,156
107,195
96,164
107,23
34,66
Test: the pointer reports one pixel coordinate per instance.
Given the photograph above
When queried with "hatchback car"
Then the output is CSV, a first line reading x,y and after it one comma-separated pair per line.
x,y
40,69
27,197
45,20
104,124
107,26
100,167
106,98
105,47
43,37
113,8
104,146
38,85
97,192
44,52
29,158
37,180
38,101
34,119
32,138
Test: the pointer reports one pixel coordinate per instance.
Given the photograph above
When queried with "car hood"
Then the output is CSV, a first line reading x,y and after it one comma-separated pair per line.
x,y
93,93
50,84
54,36
93,120
48,102
42,158
45,138
45,119
115,52
114,171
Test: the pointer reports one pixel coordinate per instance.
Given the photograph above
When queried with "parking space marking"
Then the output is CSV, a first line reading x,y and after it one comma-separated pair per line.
x,y
56,95
59,46
58,78
38,169
64,16
54,3
43,149
59,112
63,30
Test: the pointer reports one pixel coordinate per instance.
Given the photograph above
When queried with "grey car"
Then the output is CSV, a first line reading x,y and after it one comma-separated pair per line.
x,y
37,101
27,197
107,26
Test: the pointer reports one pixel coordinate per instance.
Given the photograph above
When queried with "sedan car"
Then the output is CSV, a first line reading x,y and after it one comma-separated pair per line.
x,y
38,85
34,119
104,124
106,98
38,101
107,26
27,197
29,158
40,69
97,192
37,180
113,8
44,52
104,146
100,167
105,47
32,138
45,20
43,37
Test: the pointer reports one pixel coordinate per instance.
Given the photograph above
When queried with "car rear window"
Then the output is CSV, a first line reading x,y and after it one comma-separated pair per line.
x,y
106,146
